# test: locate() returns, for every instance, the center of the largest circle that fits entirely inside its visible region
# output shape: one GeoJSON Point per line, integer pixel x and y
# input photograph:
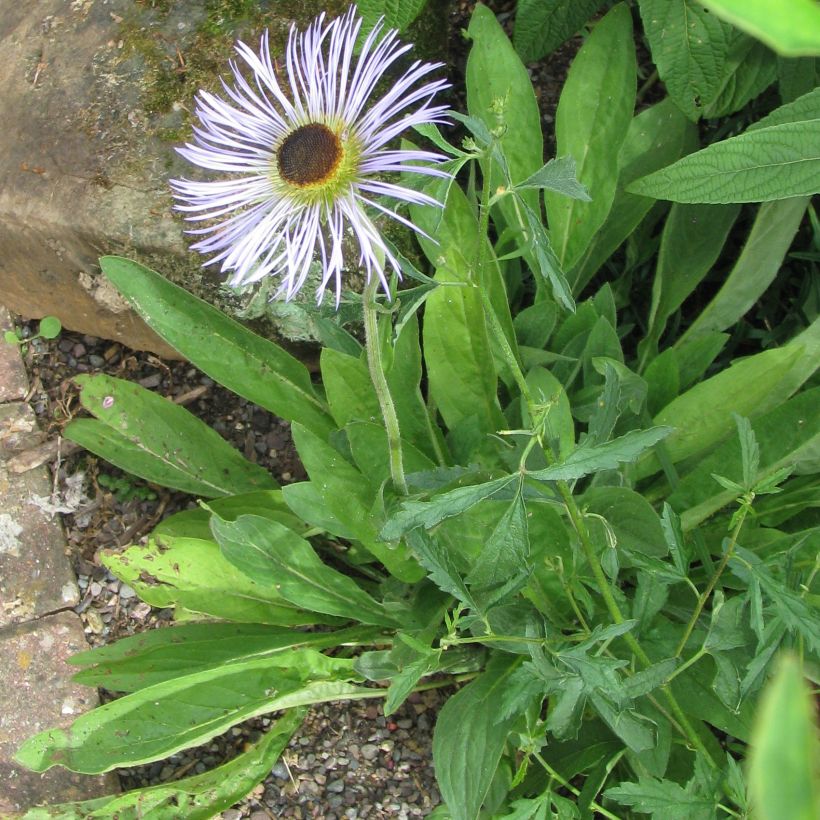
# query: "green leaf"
{"type": "Point", "coordinates": [692, 239]}
{"type": "Point", "coordinates": [631, 518]}
{"type": "Point", "coordinates": [549, 395]}
{"type": "Point", "coordinates": [193, 574]}
{"type": "Point", "coordinates": [785, 753]}
{"type": "Point", "coordinates": [690, 47]}
{"type": "Point", "coordinates": [163, 719]}
{"type": "Point", "coordinates": [502, 565]}
{"type": "Point", "coordinates": [158, 655]}
{"type": "Point", "coordinates": [703, 415]}
{"type": "Point", "coordinates": [787, 435]}
{"type": "Point", "coordinates": [792, 34]}
{"type": "Point", "coordinates": [541, 27]}
{"type": "Point", "coordinates": [663, 799]}
{"type": "Point", "coordinates": [591, 123]}
{"type": "Point", "coordinates": [469, 737]}
{"type": "Point", "coordinates": [150, 436]}
{"type": "Point", "coordinates": [655, 138]}
{"type": "Point", "coordinates": [397, 14]}
{"type": "Point", "coordinates": [750, 69]}
{"type": "Point", "coordinates": [760, 260]}
{"type": "Point", "coordinates": [499, 91]}
{"type": "Point", "coordinates": [273, 555]}
{"type": "Point", "coordinates": [307, 503]}
{"type": "Point", "coordinates": [777, 162]}
{"type": "Point", "coordinates": [427, 514]}
{"type": "Point", "coordinates": [350, 392]}
{"type": "Point", "coordinates": [557, 175]}
{"type": "Point", "coordinates": [251, 366]}
{"type": "Point", "coordinates": [585, 460]}
{"type": "Point", "coordinates": [196, 798]}
{"type": "Point", "coordinates": [349, 497]}
{"type": "Point", "coordinates": [49, 327]}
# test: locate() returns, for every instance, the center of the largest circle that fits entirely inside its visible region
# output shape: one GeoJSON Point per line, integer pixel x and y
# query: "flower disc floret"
{"type": "Point", "coordinates": [303, 150]}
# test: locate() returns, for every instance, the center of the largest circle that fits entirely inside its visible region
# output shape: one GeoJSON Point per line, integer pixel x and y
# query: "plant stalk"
{"type": "Point", "coordinates": [377, 376]}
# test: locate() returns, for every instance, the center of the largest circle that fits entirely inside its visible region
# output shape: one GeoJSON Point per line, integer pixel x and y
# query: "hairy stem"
{"type": "Point", "coordinates": [376, 367]}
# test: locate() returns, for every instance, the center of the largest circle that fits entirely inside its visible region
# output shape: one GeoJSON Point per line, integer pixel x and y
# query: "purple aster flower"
{"type": "Point", "coordinates": [304, 146]}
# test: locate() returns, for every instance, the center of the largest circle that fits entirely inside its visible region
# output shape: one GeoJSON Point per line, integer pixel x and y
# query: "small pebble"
{"type": "Point", "coordinates": [335, 786]}
{"type": "Point", "coordinates": [369, 751]}
{"type": "Point", "coordinates": [128, 592]}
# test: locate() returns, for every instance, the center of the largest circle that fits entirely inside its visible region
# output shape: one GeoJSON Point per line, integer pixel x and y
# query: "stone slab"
{"type": "Point", "coordinates": [36, 693]}
{"type": "Point", "coordinates": [36, 577]}
{"type": "Point", "coordinates": [13, 378]}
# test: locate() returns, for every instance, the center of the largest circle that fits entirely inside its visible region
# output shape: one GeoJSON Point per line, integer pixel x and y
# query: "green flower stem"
{"type": "Point", "coordinates": [712, 582]}
{"type": "Point", "coordinates": [583, 535]}
{"type": "Point", "coordinates": [376, 367]}
{"type": "Point", "coordinates": [567, 785]}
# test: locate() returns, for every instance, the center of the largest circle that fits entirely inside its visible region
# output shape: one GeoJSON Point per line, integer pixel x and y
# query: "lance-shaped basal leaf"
{"type": "Point", "coordinates": [427, 514]}
{"type": "Point", "coordinates": [161, 654]}
{"type": "Point", "coordinates": [192, 574]}
{"type": "Point", "coordinates": [593, 459]}
{"type": "Point", "coordinates": [275, 556]}
{"type": "Point", "coordinates": [161, 720]}
{"type": "Point", "coordinates": [195, 798]}
{"type": "Point", "coordinates": [251, 366]}
{"type": "Point", "coordinates": [469, 737]}
{"type": "Point", "coordinates": [777, 162]}
{"type": "Point", "coordinates": [147, 435]}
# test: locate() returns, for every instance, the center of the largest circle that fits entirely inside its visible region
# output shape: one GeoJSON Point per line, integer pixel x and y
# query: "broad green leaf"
{"type": "Point", "coordinates": [158, 655]}
{"type": "Point", "coordinates": [785, 752]}
{"type": "Point", "coordinates": [760, 260]}
{"type": "Point", "coordinates": [196, 798]}
{"type": "Point", "coordinates": [631, 518]}
{"type": "Point", "coordinates": [591, 123]}
{"type": "Point", "coordinates": [777, 162]}
{"type": "Point", "coordinates": [499, 91]}
{"type": "Point", "coordinates": [195, 523]}
{"type": "Point", "coordinates": [396, 13]}
{"type": "Point", "coordinates": [427, 514]}
{"type": "Point", "coordinates": [690, 47]}
{"type": "Point", "coordinates": [469, 738]}
{"type": "Point", "coordinates": [193, 574]}
{"type": "Point", "coordinates": [251, 366]}
{"type": "Point", "coordinates": [349, 497]}
{"type": "Point", "coordinates": [691, 242]}
{"type": "Point", "coordinates": [182, 712]}
{"type": "Point", "coordinates": [656, 137]}
{"type": "Point", "coordinates": [796, 76]}
{"type": "Point", "coordinates": [586, 460]}
{"type": "Point", "coordinates": [549, 396]}
{"type": "Point", "coordinates": [349, 390]}
{"type": "Point", "coordinates": [275, 556]}
{"type": "Point", "coordinates": [792, 34]}
{"type": "Point", "coordinates": [147, 435]}
{"type": "Point", "coordinates": [702, 416]}
{"type": "Point", "coordinates": [750, 69]}
{"type": "Point", "coordinates": [805, 107]}
{"type": "Point", "coordinates": [541, 27]}
{"type": "Point", "coordinates": [307, 503]}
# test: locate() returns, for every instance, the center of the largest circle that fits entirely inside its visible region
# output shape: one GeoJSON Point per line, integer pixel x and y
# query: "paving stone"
{"type": "Point", "coordinates": [13, 379]}
{"type": "Point", "coordinates": [36, 693]}
{"type": "Point", "coordinates": [36, 577]}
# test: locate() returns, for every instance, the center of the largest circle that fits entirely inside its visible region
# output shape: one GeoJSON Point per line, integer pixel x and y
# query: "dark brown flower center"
{"type": "Point", "coordinates": [309, 155]}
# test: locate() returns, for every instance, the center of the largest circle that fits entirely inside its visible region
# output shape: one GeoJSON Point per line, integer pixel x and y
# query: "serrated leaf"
{"type": "Point", "coordinates": [663, 799]}
{"type": "Point", "coordinates": [541, 27]}
{"type": "Point", "coordinates": [397, 14]}
{"type": "Point", "coordinates": [557, 175]}
{"type": "Point", "coordinates": [690, 47]}
{"type": "Point", "coordinates": [436, 559]}
{"type": "Point", "coordinates": [772, 163]}
{"type": "Point", "coordinates": [586, 460]}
